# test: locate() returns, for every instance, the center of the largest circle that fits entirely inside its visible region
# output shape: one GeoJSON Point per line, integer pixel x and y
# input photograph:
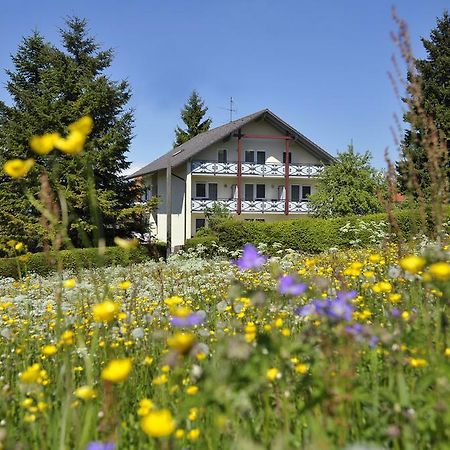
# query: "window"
{"type": "Point", "coordinates": [261, 157]}
{"type": "Point", "coordinates": [295, 193]}
{"type": "Point", "coordinates": [306, 192]}
{"type": "Point", "coordinates": [222, 155]}
{"type": "Point", "coordinates": [281, 192]}
{"type": "Point", "coordinates": [200, 190]}
{"type": "Point", "coordinates": [284, 157]}
{"type": "Point", "coordinates": [212, 191]}
{"type": "Point", "coordinates": [248, 194]}
{"type": "Point", "coordinates": [260, 191]}
{"type": "Point", "coordinates": [234, 194]}
{"type": "Point", "coordinates": [199, 223]}
{"type": "Point", "coordinates": [250, 156]}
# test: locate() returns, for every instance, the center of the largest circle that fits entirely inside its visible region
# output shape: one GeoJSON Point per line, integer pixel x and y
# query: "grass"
{"type": "Point", "coordinates": [255, 374]}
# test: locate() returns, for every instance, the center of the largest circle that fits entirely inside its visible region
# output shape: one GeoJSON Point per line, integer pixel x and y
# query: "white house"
{"type": "Point", "coordinates": [242, 165]}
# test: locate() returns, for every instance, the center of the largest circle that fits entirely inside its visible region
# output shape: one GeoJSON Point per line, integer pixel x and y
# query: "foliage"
{"type": "Point", "coordinates": [433, 76]}
{"type": "Point", "coordinates": [348, 186]}
{"type": "Point", "coordinates": [313, 235]}
{"type": "Point", "coordinates": [192, 115]}
{"type": "Point", "coordinates": [75, 259]}
{"type": "Point", "coordinates": [50, 88]}
{"type": "Point", "coordinates": [216, 213]}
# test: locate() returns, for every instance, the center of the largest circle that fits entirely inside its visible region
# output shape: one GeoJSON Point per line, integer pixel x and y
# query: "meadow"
{"type": "Point", "coordinates": [339, 350]}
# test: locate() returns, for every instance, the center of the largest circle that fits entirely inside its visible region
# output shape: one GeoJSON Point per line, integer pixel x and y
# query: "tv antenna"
{"type": "Point", "coordinates": [230, 109]}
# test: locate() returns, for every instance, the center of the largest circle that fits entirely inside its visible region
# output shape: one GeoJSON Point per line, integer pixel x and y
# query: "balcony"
{"type": "Point", "coordinates": [254, 169]}
{"type": "Point", "coordinates": [253, 206]}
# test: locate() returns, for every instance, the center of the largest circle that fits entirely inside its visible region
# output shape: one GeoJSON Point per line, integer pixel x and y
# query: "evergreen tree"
{"type": "Point", "coordinates": [51, 88]}
{"type": "Point", "coordinates": [192, 114]}
{"type": "Point", "coordinates": [348, 186]}
{"type": "Point", "coordinates": [434, 77]}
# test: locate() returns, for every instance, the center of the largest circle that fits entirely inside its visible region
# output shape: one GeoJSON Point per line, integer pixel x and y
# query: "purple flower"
{"type": "Point", "coordinates": [355, 329]}
{"type": "Point", "coordinates": [195, 318]}
{"type": "Point", "coordinates": [250, 259]}
{"type": "Point", "coordinates": [395, 312]}
{"type": "Point", "coordinates": [288, 286]}
{"type": "Point", "coordinates": [335, 309]}
{"type": "Point", "coordinates": [97, 445]}
{"type": "Point", "coordinates": [339, 309]}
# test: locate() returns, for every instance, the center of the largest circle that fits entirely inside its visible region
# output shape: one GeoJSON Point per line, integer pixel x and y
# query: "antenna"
{"type": "Point", "coordinates": [231, 110]}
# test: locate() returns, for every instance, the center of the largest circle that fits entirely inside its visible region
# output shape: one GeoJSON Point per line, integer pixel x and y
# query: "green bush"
{"type": "Point", "coordinates": [309, 234]}
{"type": "Point", "coordinates": [79, 258]}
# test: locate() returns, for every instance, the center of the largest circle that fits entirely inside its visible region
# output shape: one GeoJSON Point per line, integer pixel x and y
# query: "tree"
{"type": "Point", "coordinates": [349, 185]}
{"type": "Point", "coordinates": [51, 88]}
{"type": "Point", "coordinates": [433, 74]}
{"type": "Point", "coordinates": [192, 114]}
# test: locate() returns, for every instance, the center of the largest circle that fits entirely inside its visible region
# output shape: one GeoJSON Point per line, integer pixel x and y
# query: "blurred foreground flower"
{"type": "Point", "coordinates": [334, 309]}
{"type": "Point", "coordinates": [288, 286]}
{"type": "Point", "coordinates": [85, 393]}
{"type": "Point", "coordinates": [412, 263]}
{"type": "Point", "coordinates": [117, 370]}
{"type": "Point", "coordinates": [97, 445]}
{"type": "Point", "coordinates": [126, 243]}
{"type": "Point", "coordinates": [44, 144]}
{"type": "Point", "coordinates": [250, 259]}
{"type": "Point", "coordinates": [105, 311]}
{"type": "Point", "coordinates": [158, 423]}
{"type": "Point", "coordinates": [18, 168]}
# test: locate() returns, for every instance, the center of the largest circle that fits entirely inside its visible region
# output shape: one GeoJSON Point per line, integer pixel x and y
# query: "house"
{"type": "Point", "coordinates": [258, 166]}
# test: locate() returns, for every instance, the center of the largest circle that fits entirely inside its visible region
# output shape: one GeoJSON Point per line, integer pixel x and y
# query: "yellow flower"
{"type": "Point", "coordinates": [125, 285]}
{"type": "Point", "coordinates": [148, 360]}
{"type": "Point", "coordinates": [162, 379]}
{"type": "Point", "coordinates": [447, 352]}
{"type": "Point", "coordinates": [158, 423]}
{"type": "Point", "coordinates": [193, 434]}
{"type": "Point", "coordinates": [192, 390]}
{"type": "Point", "coordinates": [179, 434]}
{"type": "Point", "coordinates": [440, 271]}
{"type": "Point", "coordinates": [173, 301]}
{"type": "Point", "coordinates": [105, 311]}
{"type": "Point", "coordinates": [18, 246]}
{"type": "Point", "coordinates": [31, 375]}
{"type": "Point", "coordinates": [44, 144]}
{"type": "Point", "coordinates": [145, 406]}
{"type": "Point", "coordinates": [70, 283]}
{"type": "Point", "coordinates": [117, 370]}
{"type": "Point", "coordinates": [29, 418]}
{"type": "Point", "coordinates": [67, 337]}
{"type": "Point", "coordinates": [418, 362]}
{"type": "Point", "coordinates": [193, 414]}
{"type": "Point", "coordinates": [49, 350]}
{"type": "Point", "coordinates": [83, 125]}
{"type": "Point", "coordinates": [72, 144]}
{"type": "Point", "coordinates": [181, 342]}
{"type": "Point", "coordinates": [18, 168]}
{"type": "Point", "coordinates": [412, 263]}
{"type": "Point", "coordinates": [301, 368]}
{"type": "Point", "coordinates": [382, 286]}
{"type": "Point", "coordinates": [85, 393]}
{"type": "Point", "coordinates": [395, 298]}
{"type": "Point", "coordinates": [272, 374]}
{"type": "Point", "coordinates": [126, 243]}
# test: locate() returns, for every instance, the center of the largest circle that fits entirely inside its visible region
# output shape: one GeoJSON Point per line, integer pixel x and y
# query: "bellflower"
{"type": "Point", "coordinates": [334, 309]}
{"type": "Point", "coordinates": [190, 320]}
{"type": "Point", "coordinates": [250, 259]}
{"type": "Point", "coordinates": [97, 445]}
{"type": "Point", "coordinates": [288, 286]}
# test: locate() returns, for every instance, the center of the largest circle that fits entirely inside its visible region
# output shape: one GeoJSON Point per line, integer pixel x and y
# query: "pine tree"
{"type": "Point", "coordinates": [434, 77]}
{"type": "Point", "coordinates": [192, 115]}
{"type": "Point", "coordinates": [51, 88]}
{"type": "Point", "coordinates": [350, 185]}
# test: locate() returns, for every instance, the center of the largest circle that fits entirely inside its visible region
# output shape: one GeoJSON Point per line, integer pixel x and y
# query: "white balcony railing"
{"type": "Point", "coordinates": [257, 206]}
{"type": "Point", "coordinates": [260, 170]}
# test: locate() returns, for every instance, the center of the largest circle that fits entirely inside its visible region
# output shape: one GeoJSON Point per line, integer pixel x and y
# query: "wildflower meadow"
{"type": "Point", "coordinates": [242, 352]}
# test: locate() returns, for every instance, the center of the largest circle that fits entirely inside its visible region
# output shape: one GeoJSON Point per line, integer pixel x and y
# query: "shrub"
{"type": "Point", "coordinates": [79, 258]}
{"type": "Point", "coordinates": [312, 235]}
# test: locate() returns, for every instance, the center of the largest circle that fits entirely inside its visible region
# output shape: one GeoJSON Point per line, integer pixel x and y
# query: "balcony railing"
{"type": "Point", "coordinates": [260, 170]}
{"type": "Point", "coordinates": [256, 206]}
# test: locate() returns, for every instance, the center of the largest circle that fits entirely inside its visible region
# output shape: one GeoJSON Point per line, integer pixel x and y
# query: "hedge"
{"type": "Point", "coordinates": [308, 234]}
{"type": "Point", "coordinates": [79, 258]}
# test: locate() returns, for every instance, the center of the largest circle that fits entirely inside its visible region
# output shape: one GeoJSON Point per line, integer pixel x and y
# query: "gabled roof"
{"type": "Point", "coordinates": [182, 153]}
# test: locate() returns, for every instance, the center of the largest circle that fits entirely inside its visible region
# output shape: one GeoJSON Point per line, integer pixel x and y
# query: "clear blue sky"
{"type": "Point", "coordinates": [320, 65]}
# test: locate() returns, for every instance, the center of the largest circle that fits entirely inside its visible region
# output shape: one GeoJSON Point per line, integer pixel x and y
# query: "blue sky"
{"type": "Point", "coordinates": [320, 65]}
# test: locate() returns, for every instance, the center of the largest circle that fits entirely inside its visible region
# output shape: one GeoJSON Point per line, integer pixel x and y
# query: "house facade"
{"type": "Point", "coordinates": [258, 167]}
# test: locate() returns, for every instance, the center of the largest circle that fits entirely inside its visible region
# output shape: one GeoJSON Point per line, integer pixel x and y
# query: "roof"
{"type": "Point", "coordinates": [182, 153]}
